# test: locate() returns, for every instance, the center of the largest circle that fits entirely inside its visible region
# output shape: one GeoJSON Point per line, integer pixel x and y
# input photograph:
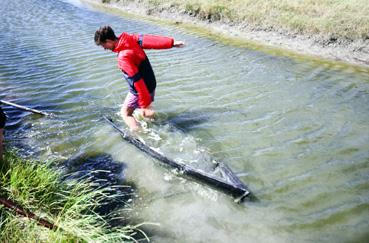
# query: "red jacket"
{"type": "Point", "coordinates": [135, 65]}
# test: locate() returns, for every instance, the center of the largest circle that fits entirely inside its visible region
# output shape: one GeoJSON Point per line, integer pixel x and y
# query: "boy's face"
{"type": "Point", "coordinates": [108, 45]}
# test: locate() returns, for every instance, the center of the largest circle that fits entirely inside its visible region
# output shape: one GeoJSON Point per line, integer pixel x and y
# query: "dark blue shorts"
{"type": "Point", "coordinates": [2, 118]}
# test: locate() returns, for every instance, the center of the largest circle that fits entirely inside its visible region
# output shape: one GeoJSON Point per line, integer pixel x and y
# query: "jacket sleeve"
{"type": "Point", "coordinates": [135, 80]}
{"type": "Point", "coordinates": [154, 41]}
{"type": "Point", "coordinates": [144, 97]}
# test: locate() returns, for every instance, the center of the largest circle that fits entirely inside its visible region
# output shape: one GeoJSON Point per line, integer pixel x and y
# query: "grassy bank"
{"type": "Point", "coordinates": [334, 19]}
{"type": "Point", "coordinates": [69, 205]}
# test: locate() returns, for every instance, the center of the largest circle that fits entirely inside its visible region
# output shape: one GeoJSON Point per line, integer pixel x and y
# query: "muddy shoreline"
{"type": "Point", "coordinates": [317, 47]}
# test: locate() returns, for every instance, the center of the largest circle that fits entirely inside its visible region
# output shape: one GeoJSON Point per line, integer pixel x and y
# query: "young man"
{"type": "Point", "coordinates": [2, 125]}
{"type": "Point", "coordinates": [136, 68]}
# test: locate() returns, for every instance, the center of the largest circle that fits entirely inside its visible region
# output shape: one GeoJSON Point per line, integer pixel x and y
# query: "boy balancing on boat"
{"type": "Point", "coordinates": [136, 68]}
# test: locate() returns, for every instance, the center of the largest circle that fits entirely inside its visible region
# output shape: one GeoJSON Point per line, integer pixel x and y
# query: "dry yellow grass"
{"type": "Point", "coordinates": [336, 19]}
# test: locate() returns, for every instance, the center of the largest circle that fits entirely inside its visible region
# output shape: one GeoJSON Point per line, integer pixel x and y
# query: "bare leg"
{"type": "Point", "coordinates": [127, 115]}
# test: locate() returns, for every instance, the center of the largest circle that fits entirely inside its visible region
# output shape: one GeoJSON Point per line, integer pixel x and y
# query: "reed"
{"type": "Point", "coordinates": [69, 205]}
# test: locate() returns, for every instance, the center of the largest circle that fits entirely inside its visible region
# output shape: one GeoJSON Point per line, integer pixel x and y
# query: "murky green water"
{"type": "Point", "coordinates": [297, 132]}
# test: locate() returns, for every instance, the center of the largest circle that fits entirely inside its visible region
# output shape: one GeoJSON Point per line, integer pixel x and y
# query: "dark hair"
{"type": "Point", "coordinates": [103, 34]}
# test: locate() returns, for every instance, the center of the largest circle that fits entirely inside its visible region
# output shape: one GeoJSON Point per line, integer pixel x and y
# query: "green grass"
{"type": "Point", "coordinates": [69, 205]}
{"type": "Point", "coordinates": [335, 19]}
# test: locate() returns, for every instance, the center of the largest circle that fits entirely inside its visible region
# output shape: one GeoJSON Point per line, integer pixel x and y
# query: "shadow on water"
{"type": "Point", "coordinates": [103, 172]}
{"type": "Point", "coordinates": [188, 121]}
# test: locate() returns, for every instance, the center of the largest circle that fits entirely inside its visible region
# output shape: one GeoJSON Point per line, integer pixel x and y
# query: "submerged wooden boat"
{"type": "Point", "coordinates": [228, 182]}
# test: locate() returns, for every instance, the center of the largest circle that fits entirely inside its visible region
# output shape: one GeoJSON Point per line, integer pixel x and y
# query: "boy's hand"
{"type": "Point", "coordinates": [147, 112]}
{"type": "Point", "coordinates": [178, 43]}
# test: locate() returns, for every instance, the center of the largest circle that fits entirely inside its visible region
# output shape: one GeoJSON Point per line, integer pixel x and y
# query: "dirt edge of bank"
{"type": "Point", "coordinates": [350, 52]}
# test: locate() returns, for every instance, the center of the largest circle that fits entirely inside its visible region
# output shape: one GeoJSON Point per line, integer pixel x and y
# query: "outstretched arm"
{"type": "Point", "coordinates": [148, 41]}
